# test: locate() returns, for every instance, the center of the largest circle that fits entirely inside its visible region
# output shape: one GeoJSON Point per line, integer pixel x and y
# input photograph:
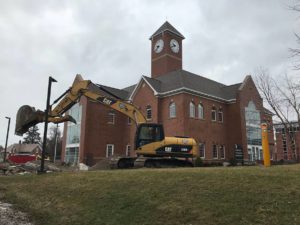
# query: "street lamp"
{"type": "Point", "coordinates": [46, 123]}
{"type": "Point", "coordinates": [4, 159]}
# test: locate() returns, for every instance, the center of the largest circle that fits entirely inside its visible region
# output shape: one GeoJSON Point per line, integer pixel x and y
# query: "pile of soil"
{"type": "Point", "coordinates": [103, 164]}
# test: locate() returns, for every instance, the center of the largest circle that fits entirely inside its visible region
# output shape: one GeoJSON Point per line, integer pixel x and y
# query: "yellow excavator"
{"type": "Point", "coordinates": [152, 148]}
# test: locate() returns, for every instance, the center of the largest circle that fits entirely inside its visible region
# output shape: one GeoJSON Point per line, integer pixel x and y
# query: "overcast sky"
{"type": "Point", "coordinates": [108, 42]}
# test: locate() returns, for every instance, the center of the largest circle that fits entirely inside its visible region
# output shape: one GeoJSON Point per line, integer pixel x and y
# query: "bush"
{"type": "Point", "coordinates": [198, 162]}
{"type": "Point", "coordinates": [233, 162]}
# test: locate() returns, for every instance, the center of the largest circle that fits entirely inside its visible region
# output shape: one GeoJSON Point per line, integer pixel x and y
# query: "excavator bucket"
{"type": "Point", "coordinates": [27, 117]}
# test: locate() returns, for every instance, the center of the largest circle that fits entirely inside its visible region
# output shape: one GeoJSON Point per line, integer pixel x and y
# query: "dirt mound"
{"type": "Point", "coordinates": [103, 164]}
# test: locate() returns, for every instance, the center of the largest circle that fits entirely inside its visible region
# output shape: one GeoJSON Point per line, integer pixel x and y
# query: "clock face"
{"type": "Point", "coordinates": [174, 45]}
{"type": "Point", "coordinates": [159, 45]}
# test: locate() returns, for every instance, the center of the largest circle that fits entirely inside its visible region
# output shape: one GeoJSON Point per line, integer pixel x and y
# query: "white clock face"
{"type": "Point", "coordinates": [174, 45]}
{"type": "Point", "coordinates": [159, 45]}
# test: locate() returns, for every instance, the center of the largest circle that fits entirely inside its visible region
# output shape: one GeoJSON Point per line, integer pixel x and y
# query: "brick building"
{"type": "Point", "coordinates": [287, 141]}
{"type": "Point", "coordinates": [224, 120]}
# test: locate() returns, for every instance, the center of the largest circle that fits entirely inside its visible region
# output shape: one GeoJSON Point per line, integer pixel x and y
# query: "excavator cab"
{"type": "Point", "coordinates": [147, 133]}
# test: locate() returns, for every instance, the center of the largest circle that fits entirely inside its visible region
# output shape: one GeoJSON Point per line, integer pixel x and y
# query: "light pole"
{"type": "Point", "coordinates": [46, 124]}
{"type": "Point", "coordinates": [4, 159]}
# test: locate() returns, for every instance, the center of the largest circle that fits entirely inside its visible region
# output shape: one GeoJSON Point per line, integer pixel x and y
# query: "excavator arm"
{"type": "Point", "coordinates": [27, 116]}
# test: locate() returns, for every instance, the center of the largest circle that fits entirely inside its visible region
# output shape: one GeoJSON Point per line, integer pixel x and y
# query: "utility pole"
{"type": "Point", "coordinates": [46, 124]}
{"type": "Point", "coordinates": [4, 157]}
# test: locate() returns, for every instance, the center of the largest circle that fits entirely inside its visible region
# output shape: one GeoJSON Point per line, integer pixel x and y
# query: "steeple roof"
{"type": "Point", "coordinates": [167, 27]}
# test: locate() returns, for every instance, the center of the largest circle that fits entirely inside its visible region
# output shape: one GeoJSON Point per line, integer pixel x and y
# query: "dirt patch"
{"type": "Point", "coordinates": [10, 216]}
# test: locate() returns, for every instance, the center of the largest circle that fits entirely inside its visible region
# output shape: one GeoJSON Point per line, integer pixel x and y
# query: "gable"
{"type": "Point", "coordinates": [141, 84]}
{"type": "Point", "coordinates": [248, 85]}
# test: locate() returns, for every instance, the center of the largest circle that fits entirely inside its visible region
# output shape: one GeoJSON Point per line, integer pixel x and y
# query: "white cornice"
{"type": "Point", "coordinates": [188, 90]}
{"type": "Point", "coordinates": [138, 85]}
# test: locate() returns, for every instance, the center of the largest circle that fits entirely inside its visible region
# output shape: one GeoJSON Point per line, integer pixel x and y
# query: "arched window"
{"type": "Point", "coordinates": [213, 114]}
{"type": "Point", "coordinates": [200, 111]}
{"type": "Point", "coordinates": [220, 115]}
{"type": "Point", "coordinates": [192, 110]}
{"type": "Point", "coordinates": [172, 110]}
{"type": "Point", "coordinates": [149, 112]}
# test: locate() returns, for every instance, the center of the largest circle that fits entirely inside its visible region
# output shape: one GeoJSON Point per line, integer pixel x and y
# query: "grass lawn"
{"type": "Point", "coordinates": [236, 195]}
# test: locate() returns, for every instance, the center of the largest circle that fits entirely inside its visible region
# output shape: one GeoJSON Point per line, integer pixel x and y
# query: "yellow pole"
{"type": "Point", "coordinates": [265, 144]}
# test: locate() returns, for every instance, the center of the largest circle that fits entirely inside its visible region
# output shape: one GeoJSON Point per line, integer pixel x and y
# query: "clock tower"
{"type": "Point", "coordinates": [166, 50]}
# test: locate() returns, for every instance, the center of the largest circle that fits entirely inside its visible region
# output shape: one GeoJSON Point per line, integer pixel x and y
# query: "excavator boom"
{"type": "Point", "coordinates": [28, 116]}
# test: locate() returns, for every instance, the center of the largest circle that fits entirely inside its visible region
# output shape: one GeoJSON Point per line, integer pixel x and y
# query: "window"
{"type": "Point", "coordinates": [128, 150]}
{"type": "Point", "coordinates": [73, 130]}
{"type": "Point", "coordinates": [172, 110]}
{"type": "Point", "coordinates": [215, 151]}
{"type": "Point", "coordinates": [222, 151]}
{"type": "Point", "coordinates": [213, 114]}
{"type": "Point", "coordinates": [192, 110]}
{"type": "Point", "coordinates": [285, 151]}
{"type": "Point", "coordinates": [109, 150]}
{"type": "Point", "coordinates": [72, 155]}
{"type": "Point", "coordinates": [111, 117]}
{"type": "Point", "coordinates": [200, 111]}
{"type": "Point", "coordinates": [220, 115]}
{"type": "Point", "coordinates": [148, 133]}
{"type": "Point", "coordinates": [202, 150]}
{"type": "Point", "coordinates": [129, 121]}
{"type": "Point", "coordinates": [148, 112]}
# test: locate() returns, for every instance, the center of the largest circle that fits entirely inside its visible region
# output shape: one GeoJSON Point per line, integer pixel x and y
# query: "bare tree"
{"type": "Point", "coordinates": [283, 97]}
{"type": "Point", "coordinates": [54, 141]}
{"type": "Point", "coordinates": [295, 52]}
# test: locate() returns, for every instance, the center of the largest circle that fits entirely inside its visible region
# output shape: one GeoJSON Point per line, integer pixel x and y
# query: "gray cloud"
{"type": "Point", "coordinates": [107, 42]}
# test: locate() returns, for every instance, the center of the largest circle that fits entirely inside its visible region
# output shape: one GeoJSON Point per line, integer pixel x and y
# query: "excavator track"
{"type": "Point", "coordinates": [148, 162]}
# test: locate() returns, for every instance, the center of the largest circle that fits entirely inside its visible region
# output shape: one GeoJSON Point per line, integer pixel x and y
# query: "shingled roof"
{"type": "Point", "coordinates": [167, 27]}
{"type": "Point", "coordinates": [181, 80]}
{"type": "Point", "coordinates": [178, 81]}
{"type": "Point", "coordinates": [115, 92]}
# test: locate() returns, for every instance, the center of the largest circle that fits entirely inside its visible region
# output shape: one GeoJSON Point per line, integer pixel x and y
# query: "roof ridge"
{"type": "Point", "coordinates": [164, 27]}
{"type": "Point", "coordinates": [227, 86]}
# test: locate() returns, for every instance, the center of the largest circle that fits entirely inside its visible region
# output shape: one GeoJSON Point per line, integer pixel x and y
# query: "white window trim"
{"type": "Point", "coordinates": [200, 106]}
{"type": "Point", "coordinates": [214, 119]}
{"type": "Point", "coordinates": [148, 108]}
{"type": "Point", "coordinates": [173, 106]}
{"type": "Point", "coordinates": [202, 157]}
{"type": "Point", "coordinates": [223, 150]}
{"type": "Point", "coordinates": [113, 149]}
{"type": "Point", "coordinates": [220, 112]}
{"type": "Point", "coordinates": [217, 152]}
{"type": "Point", "coordinates": [192, 110]}
{"type": "Point", "coordinates": [114, 117]}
